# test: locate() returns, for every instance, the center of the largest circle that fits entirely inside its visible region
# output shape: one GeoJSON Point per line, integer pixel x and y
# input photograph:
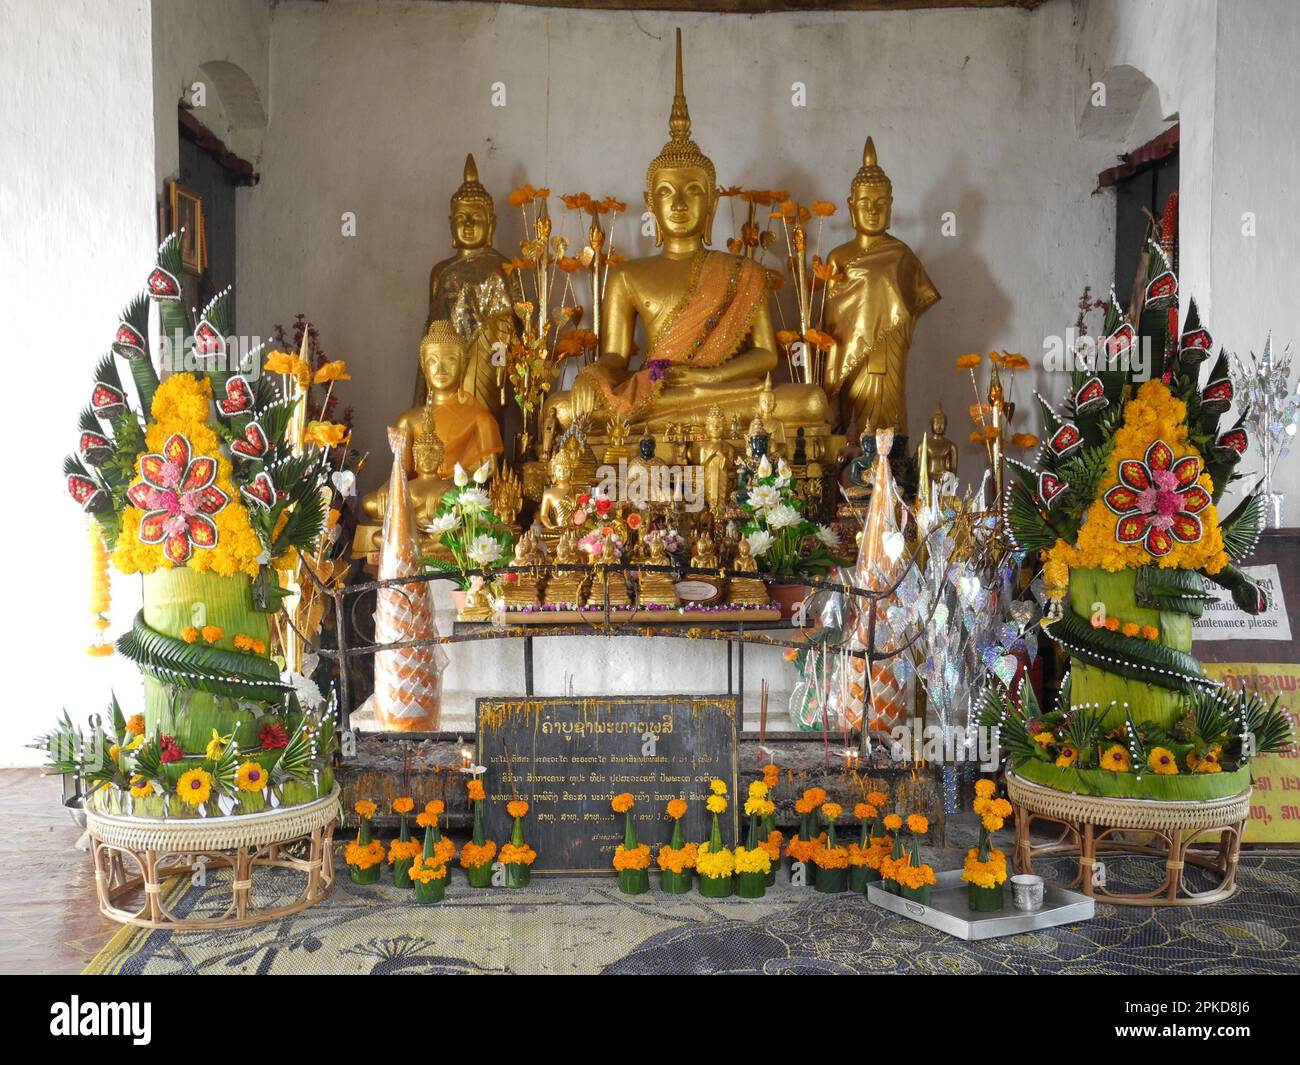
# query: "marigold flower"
{"type": "Point", "coordinates": [985, 788]}
{"type": "Point", "coordinates": [365, 808]}
{"type": "Point", "coordinates": [435, 807]}
{"type": "Point", "coordinates": [893, 822]}
{"type": "Point", "coordinates": [189, 634]}
{"type": "Point", "coordinates": [1150, 632]}
{"type": "Point", "coordinates": [472, 855]}
{"type": "Point", "coordinates": [403, 804]}
{"type": "Point", "coordinates": [211, 633]}
{"type": "Point", "coordinates": [771, 775]}
{"type": "Point", "coordinates": [1162, 761]}
{"type": "Point", "coordinates": [251, 777]}
{"type": "Point", "coordinates": [517, 808]}
{"type": "Point", "coordinates": [969, 362]}
{"type": "Point", "coordinates": [141, 788]}
{"type": "Point", "coordinates": [877, 798]}
{"type": "Point", "coordinates": [1116, 759]}
{"type": "Point", "coordinates": [992, 822]}
{"type": "Point", "coordinates": [677, 809]}
{"type": "Point", "coordinates": [1131, 628]}
{"type": "Point", "coordinates": [832, 810]}
{"type": "Point", "coordinates": [716, 804]}
{"type": "Point", "coordinates": [622, 803]}
{"type": "Point", "coordinates": [918, 824]}
{"type": "Point", "coordinates": [864, 811]}
{"type": "Point", "coordinates": [474, 789]}
{"type": "Point", "coordinates": [1067, 757]}
{"type": "Point", "coordinates": [1112, 623]}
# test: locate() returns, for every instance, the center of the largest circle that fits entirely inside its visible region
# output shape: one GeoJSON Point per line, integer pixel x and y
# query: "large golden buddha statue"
{"type": "Point", "coordinates": [472, 290]}
{"type": "Point", "coordinates": [468, 433]}
{"type": "Point", "coordinates": [873, 310]}
{"type": "Point", "coordinates": [705, 314]}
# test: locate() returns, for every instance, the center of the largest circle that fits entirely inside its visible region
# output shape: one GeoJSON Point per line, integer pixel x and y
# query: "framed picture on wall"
{"type": "Point", "coordinates": [187, 216]}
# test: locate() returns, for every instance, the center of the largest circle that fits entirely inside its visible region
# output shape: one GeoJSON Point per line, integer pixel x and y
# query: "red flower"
{"type": "Point", "coordinates": [177, 493]}
{"type": "Point", "coordinates": [169, 750]}
{"type": "Point", "coordinates": [602, 506]}
{"type": "Point", "coordinates": [1157, 500]}
{"type": "Point", "coordinates": [273, 736]}
{"type": "Point", "coordinates": [584, 499]}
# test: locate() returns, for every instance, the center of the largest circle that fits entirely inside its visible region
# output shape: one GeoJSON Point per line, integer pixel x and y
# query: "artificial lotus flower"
{"type": "Point", "coordinates": [473, 499]}
{"type": "Point", "coordinates": [484, 550]}
{"type": "Point", "coordinates": [762, 496]}
{"type": "Point", "coordinates": [759, 542]}
{"type": "Point", "coordinates": [483, 473]}
{"type": "Point", "coordinates": [460, 476]}
{"type": "Point", "coordinates": [764, 467]}
{"type": "Point", "coordinates": [783, 515]}
{"type": "Point", "coordinates": [828, 536]}
{"type": "Point", "coordinates": [442, 523]}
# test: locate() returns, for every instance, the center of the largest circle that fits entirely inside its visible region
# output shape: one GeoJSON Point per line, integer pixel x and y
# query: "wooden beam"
{"type": "Point", "coordinates": [240, 170]}
{"type": "Point", "coordinates": [1140, 158]}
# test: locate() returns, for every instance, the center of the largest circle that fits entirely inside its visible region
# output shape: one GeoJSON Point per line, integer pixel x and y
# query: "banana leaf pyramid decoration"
{"type": "Point", "coordinates": [1124, 507]}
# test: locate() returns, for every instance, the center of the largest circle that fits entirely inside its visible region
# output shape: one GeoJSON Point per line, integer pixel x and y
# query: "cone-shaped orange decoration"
{"type": "Point", "coordinates": [408, 681]}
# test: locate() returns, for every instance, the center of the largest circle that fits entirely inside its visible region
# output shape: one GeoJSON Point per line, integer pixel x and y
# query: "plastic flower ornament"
{"type": "Point", "coordinates": [484, 550]}
{"type": "Point", "coordinates": [783, 515]}
{"type": "Point", "coordinates": [483, 473]}
{"type": "Point", "coordinates": [460, 476]}
{"type": "Point", "coordinates": [473, 499]}
{"type": "Point", "coordinates": [1157, 500]}
{"type": "Point", "coordinates": [178, 496]}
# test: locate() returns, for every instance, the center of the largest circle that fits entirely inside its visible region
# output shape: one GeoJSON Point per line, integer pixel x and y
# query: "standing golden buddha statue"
{"type": "Point", "coordinates": [705, 313]}
{"type": "Point", "coordinates": [472, 290]}
{"type": "Point", "coordinates": [873, 310]}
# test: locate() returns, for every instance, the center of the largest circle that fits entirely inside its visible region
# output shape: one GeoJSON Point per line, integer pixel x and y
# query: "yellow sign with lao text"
{"type": "Point", "coordinates": [1275, 806]}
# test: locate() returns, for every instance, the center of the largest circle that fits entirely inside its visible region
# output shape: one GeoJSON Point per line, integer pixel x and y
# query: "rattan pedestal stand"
{"type": "Point", "coordinates": [131, 853]}
{"type": "Point", "coordinates": [1093, 826]}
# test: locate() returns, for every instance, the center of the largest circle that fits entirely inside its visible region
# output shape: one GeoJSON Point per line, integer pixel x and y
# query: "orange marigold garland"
{"type": "Point", "coordinates": [100, 593]}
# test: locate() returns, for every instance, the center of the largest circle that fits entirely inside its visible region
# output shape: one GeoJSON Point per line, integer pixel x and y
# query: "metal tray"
{"type": "Point", "coordinates": [949, 912]}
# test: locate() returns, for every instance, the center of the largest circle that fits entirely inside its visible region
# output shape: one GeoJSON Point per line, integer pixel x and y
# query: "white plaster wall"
{"type": "Point", "coordinates": [76, 240]}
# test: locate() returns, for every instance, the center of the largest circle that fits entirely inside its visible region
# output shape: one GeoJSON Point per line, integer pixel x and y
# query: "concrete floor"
{"type": "Point", "coordinates": [49, 922]}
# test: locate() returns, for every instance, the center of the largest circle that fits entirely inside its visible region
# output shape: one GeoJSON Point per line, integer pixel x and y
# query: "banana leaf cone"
{"type": "Point", "coordinates": [632, 881]}
{"type": "Point", "coordinates": [715, 887]}
{"type": "Point", "coordinates": [982, 899]}
{"type": "Point", "coordinates": [751, 885]}
{"type": "Point", "coordinates": [432, 892]}
{"type": "Point", "coordinates": [893, 886]}
{"type": "Point", "coordinates": [769, 826]}
{"type": "Point", "coordinates": [364, 839]}
{"type": "Point", "coordinates": [676, 883]}
{"type": "Point", "coordinates": [480, 876]}
{"type": "Point", "coordinates": [402, 867]}
{"type": "Point", "coordinates": [806, 834]}
{"type": "Point", "coordinates": [831, 881]}
{"type": "Point", "coordinates": [517, 873]}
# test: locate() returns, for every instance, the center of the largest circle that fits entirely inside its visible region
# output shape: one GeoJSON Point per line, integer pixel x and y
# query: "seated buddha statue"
{"type": "Point", "coordinates": [559, 501]}
{"type": "Point", "coordinates": [747, 591]}
{"type": "Point", "coordinates": [566, 587]}
{"type": "Point", "coordinates": [524, 589]}
{"type": "Point", "coordinates": [472, 290]}
{"type": "Point", "coordinates": [655, 588]}
{"type": "Point", "coordinates": [607, 574]}
{"type": "Point", "coordinates": [872, 308]}
{"type": "Point", "coordinates": [704, 554]}
{"type": "Point", "coordinates": [469, 434]}
{"type": "Point", "coordinates": [704, 313]}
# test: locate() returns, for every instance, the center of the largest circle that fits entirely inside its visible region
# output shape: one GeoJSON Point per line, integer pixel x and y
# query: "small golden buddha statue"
{"type": "Point", "coordinates": [507, 496]}
{"type": "Point", "coordinates": [704, 553]}
{"type": "Point", "coordinates": [648, 475]}
{"type": "Point", "coordinates": [566, 587]}
{"type": "Point", "coordinates": [472, 290]}
{"type": "Point", "coordinates": [714, 457]}
{"type": "Point", "coordinates": [936, 455]}
{"type": "Point", "coordinates": [559, 501]}
{"type": "Point", "coordinates": [524, 589]}
{"type": "Point", "coordinates": [653, 588]}
{"type": "Point", "coordinates": [873, 310]}
{"type": "Point", "coordinates": [619, 430]}
{"type": "Point", "coordinates": [747, 591]}
{"type": "Point", "coordinates": [705, 313]}
{"type": "Point", "coordinates": [469, 434]}
{"type": "Point", "coordinates": [608, 575]}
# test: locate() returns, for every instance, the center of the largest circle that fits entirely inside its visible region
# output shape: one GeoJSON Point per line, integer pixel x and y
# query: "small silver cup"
{"type": "Point", "coordinates": [1027, 892]}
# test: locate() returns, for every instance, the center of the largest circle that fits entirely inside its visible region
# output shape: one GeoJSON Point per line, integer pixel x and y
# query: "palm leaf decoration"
{"type": "Point", "coordinates": [147, 764]}
{"type": "Point", "coordinates": [224, 769]}
{"type": "Point", "coordinates": [295, 762]}
{"type": "Point", "coordinates": [204, 668]}
{"type": "Point", "coordinates": [1269, 724]}
{"type": "Point", "coordinates": [1084, 730]}
{"type": "Point", "coordinates": [1242, 527]}
{"type": "Point", "coordinates": [1214, 716]}
{"type": "Point", "coordinates": [63, 745]}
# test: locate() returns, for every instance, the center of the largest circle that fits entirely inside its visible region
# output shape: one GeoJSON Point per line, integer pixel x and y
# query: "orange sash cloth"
{"type": "Point", "coordinates": [705, 329]}
{"type": "Point", "coordinates": [468, 433]}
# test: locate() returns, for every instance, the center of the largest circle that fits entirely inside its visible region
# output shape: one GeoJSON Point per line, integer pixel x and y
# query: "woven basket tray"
{"type": "Point", "coordinates": [1153, 814]}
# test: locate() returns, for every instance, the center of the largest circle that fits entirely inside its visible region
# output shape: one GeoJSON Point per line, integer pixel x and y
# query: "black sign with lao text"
{"type": "Point", "coordinates": [570, 755]}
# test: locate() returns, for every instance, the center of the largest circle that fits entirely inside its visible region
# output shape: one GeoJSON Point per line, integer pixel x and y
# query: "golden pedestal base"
{"type": "Point", "coordinates": [138, 854]}
{"type": "Point", "coordinates": [1095, 826]}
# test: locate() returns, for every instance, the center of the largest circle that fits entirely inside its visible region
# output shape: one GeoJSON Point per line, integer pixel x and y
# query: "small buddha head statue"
{"type": "Point", "coordinates": [562, 467]}
{"type": "Point", "coordinates": [871, 196]}
{"type": "Point", "coordinates": [646, 447]}
{"type": "Point", "coordinates": [428, 449]}
{"type": "Point", "coordinates": [938, 422]}
{"type": "Point", "coordinates": [681, 184]}
{"type": "Point", "coordinates": [758, 438]}
{"type": "Point", "coordinates": [473, 217]}
{"type": "Point", "coordinates": [442, 358]}
{"type": "Point", "coordinates": [715, 423]}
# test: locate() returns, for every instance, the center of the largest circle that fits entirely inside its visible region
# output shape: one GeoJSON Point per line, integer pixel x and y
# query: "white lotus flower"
{"type": "Point", "coordinates": [759, 542]}
{"type": "Point", "coordinates": [828, 536]}
{"type": "Point", "coordinates": [473, 499]}
{"type": "Point", "coordinates": [484, 550]}
{"type": "Point", "coordinates": [764, 467]}
{"type": "Point", "coordinates": [763, 496]}
{"type": "Point", "coordinates": [460, 476]}
{"type": "Point", "coordinates": [483, 473]}
{"type": "Point", "coordinates": [443, 523]}
{"type": "Point", "coordinates": [783, 515]}
{"type": "Point", "coordinates": [783, 473]}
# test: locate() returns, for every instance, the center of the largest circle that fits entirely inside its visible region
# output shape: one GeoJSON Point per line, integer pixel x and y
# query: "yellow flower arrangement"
{"type": "Point", "coordinates": [832, 810]}
{"type": "Point", "coordinates": [756, 860]}
{"type": "Point", "coordinates": [521, 855]}
{"type": "Point", "coordinates": [1153, 414]}
{"type": "Point", "coordinates": [364, 857]}
{"type": "Point", "coordinates": [677, 809]}
{"type": "Point", "coordinates": [1116, 759]}
{"type": "Point", "coordinates": [517, 808]}
{"type": "Point", "coordinates": [987, 874]}
{"type": "Point", "coordinates": [473, 855]}
{"type": "Point", "coordinates": [403, 850]}
{"type": "Point", "coordinates": [474, 790]}
{"type": "Point", "coordinates": [622, 803]}
{"type": "Point", "coordinates": [424, 872]}
{"type": "Point", "coordinates": [364, 808]}
{"type": "Point", "coordinates": [718, 787]}
{"type": "Point", "coordinates": [676, 861]}
{"type": "Point", "coordinates": [636, 858]}
{"type": "Point", "coordinates": [181, 405]}
{"type": "Point", "coordinates": [194, 787]}
{"type": "Point", "coordinates": [714, 864]}
{"type": "Point", "coordinates": [918, 824]}
{"type": "Point", "coordinates": [827, 857]}
{"type": "Point", "coordinates": [893, 822]}
{"type": "Point", "coordinates": [1162, 761]}
{"type": "Point", "coordinates": [250, 777]}
{"type": "Point", "coordinates": [716, 804]}
{"type": "Point", "coordinates": [141, 788]}
{"type": "Point", "coordinates": [435, 807]}
{"type": "Point", "coordinates": [403, 804]}
{"type": "Point", "coordinates": [802, 850]}
{"type": "Point", "coordinates": [985, 788]}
